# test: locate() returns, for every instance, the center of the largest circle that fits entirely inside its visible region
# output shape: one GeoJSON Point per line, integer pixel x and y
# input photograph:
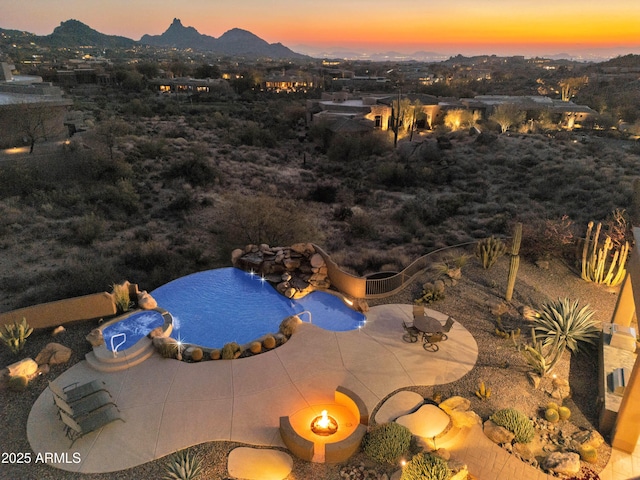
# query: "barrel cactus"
{"type": "Point", "coordinates": [551, 415]}
{"type": "Point", "coordinates": [564, 413]}
{"type": "Point", "coordinates": [588, 453]}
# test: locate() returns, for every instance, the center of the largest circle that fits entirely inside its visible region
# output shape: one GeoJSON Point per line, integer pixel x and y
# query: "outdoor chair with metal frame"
{"type": "Point", "coordinates": [411, 333]}
{"type": "Point", "coordinates": [75, 391]}
{"type": "Point", "coordinates": [85, 405]}
{"type": "Point", "coordinates": [76, 428]}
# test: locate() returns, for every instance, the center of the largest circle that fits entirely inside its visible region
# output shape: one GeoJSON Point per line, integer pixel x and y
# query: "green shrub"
{"type": "Point", "coordinates": [425, 466]}
{"type": "Point", "coordinates": [564, 321]}
{"type": "Point", "coordinates": [168, 349]}
{"type": "Point", "coordinates": [230, 351]}
{"type": "Point", "coordinates": [88, 229]}
{"type": "Point", "coordinates": [15, 335]}
{"type": "Point", "coordinates": [18, 383]}
{"type": "Point", "coordinates": [387, 442]}
{"type": "Point", "coordinates": [269, 342]}
{"type": "Point", "coordinates": [183, 465]}
{"type": "Point", "coordinates": [516, 422]}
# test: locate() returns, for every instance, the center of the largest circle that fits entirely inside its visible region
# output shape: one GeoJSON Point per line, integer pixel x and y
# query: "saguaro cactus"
{"type": "Point", "coordinates": [515, 261]}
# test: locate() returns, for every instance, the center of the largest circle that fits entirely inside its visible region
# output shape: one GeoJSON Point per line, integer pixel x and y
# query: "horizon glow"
{"type": "Point", "coordinates": [465, 26]}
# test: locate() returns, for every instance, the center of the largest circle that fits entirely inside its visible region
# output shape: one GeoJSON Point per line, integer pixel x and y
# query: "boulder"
{"type": "Point", "coordinates": [560, 389]}
{"type": "Point", "coordinates": [524, 452]}
{"type": "Point", "coordinates": [564, 463]}
{"type": "Point", "coordinates": [236, 255]}
{"type": "Point", "coordinates": [427, 422]}
{"type": "Point", "coordinates": [300, 248]}
{"type": "Point", "coordinates": [95, 337]}
{"type": "Point", "coordinates": [146, 301]}
{"type": "Point", "coordinates": [590, 438]}
{"type": "Point", "coordinates": [398, 404]}
{"type": "Point", "coordinates": [316, 260]}
{"type": "Point", "coordinates": [53, 354]}
{"type": "Point", "coordinates": [496, 433]}
{"type": "Point", "coordinates": [455, 404]}
{"type": "Point", "coordinates": [157, 332]}
{"type": "Point", "coordinates": [26, 367]}
{"type": "Point", "coordinates": [465, 419]}
{"type": "Point", "coordinates": [291, 263]}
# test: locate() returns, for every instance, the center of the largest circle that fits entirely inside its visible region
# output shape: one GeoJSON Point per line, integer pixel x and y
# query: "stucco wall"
{"type": "Point", "coordinates": [47, 315]}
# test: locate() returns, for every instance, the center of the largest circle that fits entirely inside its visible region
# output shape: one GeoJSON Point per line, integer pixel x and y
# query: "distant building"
{"type": "Point", "coordinates": [29, 108]}
{"type": "Point", "coordinates": [189, 86]}
{"type": "Point", "coordinates": [342, 105]}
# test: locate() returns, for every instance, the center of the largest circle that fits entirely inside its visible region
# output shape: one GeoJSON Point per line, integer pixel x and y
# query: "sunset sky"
{"type": "Point", "coordinates": [446, 26]}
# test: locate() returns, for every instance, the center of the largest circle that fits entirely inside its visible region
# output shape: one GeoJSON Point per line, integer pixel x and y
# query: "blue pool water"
{"type": "Point", "coordinates": [215, 307]}
{"type": "Point", "coordinates": [135, 326]}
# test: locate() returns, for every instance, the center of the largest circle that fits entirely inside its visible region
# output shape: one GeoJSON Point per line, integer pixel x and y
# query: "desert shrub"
{"type": "Point", "coordinates": [230, 351]}
{"type": "Point", "coordinates": [362, 226]}
{"type": "Point", "coordinates": [516, 422]}
{"type": "Point", "coordinates": [563, 321]}
{"type": "Point", "coordinates": [255, 347]}
{"type": "Point", "coordinates": [120, 294]}
{"type": "Point", "coordinates": [430, 294]}
{"type": "Point", "coordinates": [18, 383]}
{"type": "Point", "coordinates": [196, 354]}
{"type": "Point", "coordinates": [196, 171]}
{"type": "Point", "coordinates": [269, 342]}
{"type": "Point", "coordinates": [425, 466]}
{"type": "Point", "coordinates": [342, 213]}
{"type": "Point", "coordinates": [387, 442]}
{"type": "Point", "coordinates": [183, 465]}
{"type": "Point", "coordinates": [289, 325]}
{"type": "Point", "coordinates": [14, 335]}
{"type": "Point", "coordinates": [167, 349]}
{"type": "Point", "coordinates": [548, 238]}
{"type": "Point", "coordinates": [324, 194]}
{"type": "Point", "coordinates": [88, 229]}
{"type": "Point", "coordinates": [488, 250]}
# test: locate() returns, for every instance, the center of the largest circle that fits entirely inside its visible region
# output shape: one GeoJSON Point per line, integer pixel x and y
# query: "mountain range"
{"type": "Point", "coordinates": [235, 42]}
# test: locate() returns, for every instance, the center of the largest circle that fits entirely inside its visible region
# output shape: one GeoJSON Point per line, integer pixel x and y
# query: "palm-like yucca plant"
{"type": "Point", "coordinates": [183, 465]}
{"type": "Point", "coordinates": [568, 324]}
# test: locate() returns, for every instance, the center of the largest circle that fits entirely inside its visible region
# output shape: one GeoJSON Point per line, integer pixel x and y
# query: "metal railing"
{"type": "Point", "coordinates": [115, 349]}
{"type": "Point", "coordinates": [384, 287]}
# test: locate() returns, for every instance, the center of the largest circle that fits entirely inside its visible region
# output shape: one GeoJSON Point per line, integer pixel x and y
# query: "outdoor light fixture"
{"type": "Point", "coordinates": [324, 425]}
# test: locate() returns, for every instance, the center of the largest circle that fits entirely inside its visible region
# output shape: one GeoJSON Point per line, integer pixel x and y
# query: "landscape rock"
{"type": "Point", "coordinates": [235, 256]}
{"type": "Point", "coordinates": [53, 354]}
{"type": "Point", "coordinates": [146, 301]}
{"type": "Point", "coordinates": [157, 332]}
{"type": "Point", "coordinates": [427, 422]}
{"type": "Point", "coordinates": [58, 330]}
{"type": "Point", "coordinates": [95, 337]}
{"type": "Point", "coordinates": [26, 367]}
{"type": "Point", "coordinates": [465, 419]}
{"type": "Point", "coordinates": [524, 452]}
{"type": "Point", "coordinates": [496, 433]}
{"type": "Point", "coordinates": [455, 404]}
{"type": "Point", "coordinates": [316, 260]}
{"type": "Point", "coordinates": [564, 463]}
{"type": "Point", "coordinates": [590, 438]}
{"type": "Point", "coordinates": [560, 389]}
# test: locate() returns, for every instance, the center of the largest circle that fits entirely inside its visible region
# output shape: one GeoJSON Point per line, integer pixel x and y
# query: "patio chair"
{"type": "Point", "coordinates": [85, 405]}
{"type": "Point", "coordinates": [76, 428]}
{"type": "Point", "coordinates": [430, 339]}
{"type": "Point", "coordinates": [75, 391]}
{"type": "Point", "coordinates": [411, 333]}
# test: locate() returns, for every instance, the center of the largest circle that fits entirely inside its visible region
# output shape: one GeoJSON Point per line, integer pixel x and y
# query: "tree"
{"type": "Point", "coordinates": [401, 110]}
{"type": "Point", "coordinates": [570, 86]}
{"type": "Point", "coordinates": [109, 130]}
{"type": "Point", "coordinates": [207, 71]}
{"type": "Point", "coordinates": [35, 121]}
{"type": "Point", "coordinates": [459, 118]}
{"type": "Point", "coordinates": [507, 115]}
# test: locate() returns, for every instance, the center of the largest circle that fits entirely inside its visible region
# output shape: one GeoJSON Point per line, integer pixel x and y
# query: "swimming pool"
{"type": "Point", "coordinates": [215, 307]}
{"type": "Point", "coordinates": [134, 326]}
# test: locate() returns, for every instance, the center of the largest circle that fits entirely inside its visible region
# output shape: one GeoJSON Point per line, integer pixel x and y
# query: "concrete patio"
{"type": "Point", "coordinates": [169, 405]}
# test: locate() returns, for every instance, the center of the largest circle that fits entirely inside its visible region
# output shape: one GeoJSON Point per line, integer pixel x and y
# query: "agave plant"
{"type": "Point", "coordinates": [183, 465]}
{"type": "Point", "coordinates": [568, 324]}
{"type": "Point", "coordinates": [15, 335]}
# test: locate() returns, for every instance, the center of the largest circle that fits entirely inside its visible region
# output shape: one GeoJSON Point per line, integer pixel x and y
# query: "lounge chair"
{"type": "Point", "coordinates": [76, 428]}
{"type": "Point", "coordinates": [75, 391]}
{"type": "Point", "coordinates": [85, 405]}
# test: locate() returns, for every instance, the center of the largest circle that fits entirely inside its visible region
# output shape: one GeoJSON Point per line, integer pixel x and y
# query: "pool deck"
{"type": "Point", "coordinates": [168, 405]}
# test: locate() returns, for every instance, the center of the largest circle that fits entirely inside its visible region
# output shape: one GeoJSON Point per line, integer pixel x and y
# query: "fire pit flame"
{"type": "Point", "coordinates": [324, 424]}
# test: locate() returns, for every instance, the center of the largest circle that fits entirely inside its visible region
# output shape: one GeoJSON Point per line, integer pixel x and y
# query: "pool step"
{"type": "Point", "coordinates": [103, 360]}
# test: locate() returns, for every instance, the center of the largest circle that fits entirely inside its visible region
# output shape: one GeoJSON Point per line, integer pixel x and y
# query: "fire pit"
{"type": "Point", "coordinates": [324, 425]}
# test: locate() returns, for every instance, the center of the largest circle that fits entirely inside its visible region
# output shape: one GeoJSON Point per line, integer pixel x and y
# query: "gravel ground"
{"type": "Point", "coordinates": [499, 365]}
